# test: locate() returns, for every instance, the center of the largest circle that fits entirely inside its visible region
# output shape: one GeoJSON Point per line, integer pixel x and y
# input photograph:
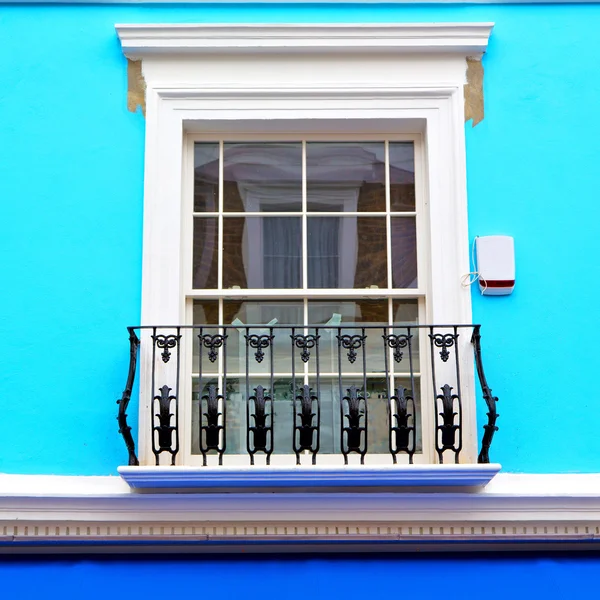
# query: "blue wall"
{"type": "Point", "coordinates": [299, 577]}
{"type": "Point", "coordinates": [71, 168]}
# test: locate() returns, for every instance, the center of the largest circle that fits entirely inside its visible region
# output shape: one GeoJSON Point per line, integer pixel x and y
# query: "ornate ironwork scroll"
{"type": "Point", "coordinates": [164, 429]}
{"type": "Point", "coordinates": [306, 423]}
{"type": "Point", "coordinates": [351, 343]}
{"type": "Point", "coordinates": [124, 428]}
{"type": "Point", "coordinates": [305, 343]}
{"type": "Point", "coordinates": [212, 343]}
{"type": "Point", "coordinates": [402, 428]}
{"type": "Point", "coordinates": [354, 419]}
{"type": "Point", "coordinates": [259, 343]}
{"type": "Point", "coordinates": [166, 343]}
{"type": "Point", "coordinates": [260, 423]}
{"type": "Point", "coordinates": [490, 428]}
{"type": "Point", "coordinates": [212, 424]}
{"type": "Point", "coordinates": [448, 426]}
{"type": "Point", "coordinates": [397, 343]}
{"type": "Point", "coordinates": [444, 341]}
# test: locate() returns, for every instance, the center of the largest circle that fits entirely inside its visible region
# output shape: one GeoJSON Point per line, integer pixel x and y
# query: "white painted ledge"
{"type": "Point", "coordinates": [314, 478]}
{"type": "Point", "coordinates": [140, 40]}
{"type": "Point", "coordinates": [48, 513]}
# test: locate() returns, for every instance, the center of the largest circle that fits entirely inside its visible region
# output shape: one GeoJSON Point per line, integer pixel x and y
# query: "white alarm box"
{"type": "Point", "coordinates": [496, 264]}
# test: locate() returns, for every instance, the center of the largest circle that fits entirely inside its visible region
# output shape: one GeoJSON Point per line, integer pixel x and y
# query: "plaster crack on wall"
{"type": "Point", "coordinates": [473, 91]}
{"type": "Point", "coordinates": [136, 86]}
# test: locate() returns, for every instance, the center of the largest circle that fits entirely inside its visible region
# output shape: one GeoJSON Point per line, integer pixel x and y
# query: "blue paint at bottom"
{"type": "Point", "coordinates": [298, 577]}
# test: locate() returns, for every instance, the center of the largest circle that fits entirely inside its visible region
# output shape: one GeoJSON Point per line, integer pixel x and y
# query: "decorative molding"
{"type": "Point", "coordinates": [313, 478]}
{"type": "Point", "coordinates": [61, 512]}
{"type": "Point", "coordinates": [142, 40]}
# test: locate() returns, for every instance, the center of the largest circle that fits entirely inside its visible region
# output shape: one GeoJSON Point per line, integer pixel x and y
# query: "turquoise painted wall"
{"type": "Point", "coordinates": [71, 169]}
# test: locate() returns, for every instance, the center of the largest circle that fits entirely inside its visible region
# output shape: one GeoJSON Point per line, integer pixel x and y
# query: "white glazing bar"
{"type": "Point", "coordinates": [305, 333]}
{"type": "Point", "coordinates": [388, 219]}
{"type": "Point", "coordinates": [388, 225]}
{"type": "Point", "coordinates": [298, 293]}
{"type": "Point", "coordinates": [304, 223]}
{"type": "Point", "coordinates": [220, 225]}
{"type": "Point", "coordinates": [312, 213]}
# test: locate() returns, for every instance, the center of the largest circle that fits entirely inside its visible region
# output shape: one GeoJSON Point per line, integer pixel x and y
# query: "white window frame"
{"type": "Point", "coordinates": [361, 79]}
{"type": "Point", "coordinates": [426, 456]}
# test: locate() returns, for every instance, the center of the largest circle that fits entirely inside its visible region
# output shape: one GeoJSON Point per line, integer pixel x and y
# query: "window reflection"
{"type": "Point", "coordinates": [345, 177]}
{"type": "Point", "coordinates": [206, 177]}
{"type": "Point", "coordinates": [262, 252]}
{"type": "Point", "coordinates": [347, 252]}
{"type": "Point", "coordinates": [262, 177]}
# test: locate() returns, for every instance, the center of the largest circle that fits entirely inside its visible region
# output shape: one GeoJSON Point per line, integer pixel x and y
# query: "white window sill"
{"type": "Point", "coordinates": [308, 479]}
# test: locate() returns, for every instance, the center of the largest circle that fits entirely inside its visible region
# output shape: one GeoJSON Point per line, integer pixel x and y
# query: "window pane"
{"type": "Point", "coordinates": [347, 252]}
{"type": "Point", "coordinates": [402, 176]}
{"type": "Point", "coordinates": [206, 312]}
{"type": "Point", "coordinates": [347, 314]}
{"type": "Point", "coordinates": [206, 177]}
{"type": "Point", "coordinates": [262, 177]}
{"type": "Point", "coordinates": [261, 312]}
{"type": "Point", "coordinates": [404, 252]}
{"type": "Point", "coordinates": [345, 177]}
{"type": "Point", "coordinates": [204, 266]}
{"type": "Point", "coordinates": [406, 312]}
{"type": "Point", "coordinates": [262, 252]}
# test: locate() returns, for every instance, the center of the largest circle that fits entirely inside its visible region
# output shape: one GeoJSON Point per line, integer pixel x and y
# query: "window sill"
{"type": "Point", "coordinates": [308, 479]}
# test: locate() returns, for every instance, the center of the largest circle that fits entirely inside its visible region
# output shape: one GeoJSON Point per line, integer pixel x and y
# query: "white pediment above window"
{"type": "Point", "coordinates": [143, 40]}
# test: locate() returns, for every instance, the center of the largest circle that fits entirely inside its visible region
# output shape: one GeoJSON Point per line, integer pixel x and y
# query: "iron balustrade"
{"type": "Point", "coordinates": [347, 349]}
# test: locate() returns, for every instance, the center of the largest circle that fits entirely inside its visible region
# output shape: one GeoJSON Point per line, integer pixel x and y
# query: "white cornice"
{"type": "Point", "coordinates": [61, 512]}
{"type": "Point", "coordinates": [141, 40]}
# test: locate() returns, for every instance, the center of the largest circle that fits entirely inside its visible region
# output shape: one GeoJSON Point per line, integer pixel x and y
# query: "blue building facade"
{"type": "Point", "coordinates": [72, 184]}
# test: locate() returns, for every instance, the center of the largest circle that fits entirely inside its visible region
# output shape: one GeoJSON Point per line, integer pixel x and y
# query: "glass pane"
{"type": "Point", "coordinates": [406, 312]}
{"type": "Point", "coordinates": [345, 177]}
{"type": "Point", "coordinates": [204, 275]}
{"type": "Point", "coordinates": [262, 252]}
{"type": "Point", "coordinates": [206, 312]}
{"type": "Point", "coordinates": [404, 252]}
{"type": "Point", "coordinates": [347, 252]}
{"type": "Point", "coordinates": [347, 314]}
{"type": "Point", "coordinates": [206, 177]}
{"type": "Point", "coordinates": [402, 176]}
{"type": "Point", "coordinates": [242, 313]}
{"type": "Point", "coordinates": [262, 177]}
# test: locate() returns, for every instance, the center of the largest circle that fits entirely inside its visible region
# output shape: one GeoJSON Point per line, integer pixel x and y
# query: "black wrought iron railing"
{"type": "Point", "coordinates": [306, 390]}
